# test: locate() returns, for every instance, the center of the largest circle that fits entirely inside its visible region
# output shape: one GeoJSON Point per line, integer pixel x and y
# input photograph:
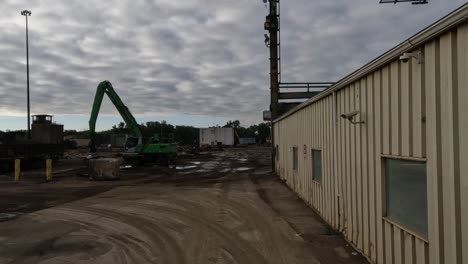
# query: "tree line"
{"type": "Point", "coordinates": [260, 132]}
{"type": "Point", "coordinates": [184, 135]}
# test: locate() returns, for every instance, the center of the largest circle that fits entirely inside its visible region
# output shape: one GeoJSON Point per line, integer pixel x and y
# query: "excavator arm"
{"type": "Point", "coordinates": [105, 87]}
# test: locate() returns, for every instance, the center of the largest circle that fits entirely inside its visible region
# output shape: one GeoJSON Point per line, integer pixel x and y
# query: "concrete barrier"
{"type": "Point", "coordinates": [104, 168]}
{"type": "Point", "coordinates": [17, 170]}
{"type": "Point", "coordinates": [48, 169]}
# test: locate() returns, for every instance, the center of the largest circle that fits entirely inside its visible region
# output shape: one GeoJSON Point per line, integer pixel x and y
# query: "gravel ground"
{"type": "Point", "coordinates": [219, 207]}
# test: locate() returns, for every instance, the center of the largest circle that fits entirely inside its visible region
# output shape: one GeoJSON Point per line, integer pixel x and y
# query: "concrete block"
{"type": "Point", "coordinates": [104, 168]}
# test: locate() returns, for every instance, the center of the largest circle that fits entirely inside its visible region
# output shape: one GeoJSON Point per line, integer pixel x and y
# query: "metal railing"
{"type": "Point", "coordinates": [316, 86]}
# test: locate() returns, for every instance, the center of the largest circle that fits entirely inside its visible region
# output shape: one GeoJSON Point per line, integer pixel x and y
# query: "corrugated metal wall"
{"type": "Point", "coordinates": [412, 110]}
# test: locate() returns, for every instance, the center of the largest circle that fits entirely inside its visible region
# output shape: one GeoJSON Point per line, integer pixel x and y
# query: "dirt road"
{"type": "Point", "coordinates": [224, 208]}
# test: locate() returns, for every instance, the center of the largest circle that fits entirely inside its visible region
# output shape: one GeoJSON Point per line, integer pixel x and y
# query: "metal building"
{"type": "Point", "coordinates": [45, 131]}
{"type": "Point", "coordinates": [391, 174]}
{"type": "Point", "coordinates": [247, 141]}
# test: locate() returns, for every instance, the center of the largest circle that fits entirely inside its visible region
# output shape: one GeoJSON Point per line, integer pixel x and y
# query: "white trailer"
{"type": "Point", "coordinates": [217, 136]}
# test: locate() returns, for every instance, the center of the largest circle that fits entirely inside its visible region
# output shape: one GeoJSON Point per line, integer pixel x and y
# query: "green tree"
{"type": "Point", "coordinates": [70, 132]}
{"type": "Point", "coordinates": [234, 124]}
{"type": "Point", "coordinates": [262, 132]}
{"type": "Point", "coordinates": [186, 135]}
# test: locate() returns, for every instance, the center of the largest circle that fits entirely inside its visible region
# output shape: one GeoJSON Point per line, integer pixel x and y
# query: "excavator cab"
{"type": "Point", "coordinates": [131, 144]}
{"type": "Point", "coordinates": [155, 139]}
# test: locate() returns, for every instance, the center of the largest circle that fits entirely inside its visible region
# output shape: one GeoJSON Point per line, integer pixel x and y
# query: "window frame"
{"type": "Point", "coordinates": [295, 158]}
{"type": "Point", "coordinates": [277, 152]}
{"type": "Point", "coordinates": [314, 177]}
{"type": "Point", "coordinates": [384, 158]}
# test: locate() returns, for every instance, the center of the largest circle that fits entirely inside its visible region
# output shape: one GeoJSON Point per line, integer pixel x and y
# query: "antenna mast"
{"type": "Point", "coordinates": [414, 2]}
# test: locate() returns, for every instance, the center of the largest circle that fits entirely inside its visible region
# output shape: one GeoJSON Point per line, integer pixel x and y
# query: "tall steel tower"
{"type": "Point", "coordinates": [284, 95]}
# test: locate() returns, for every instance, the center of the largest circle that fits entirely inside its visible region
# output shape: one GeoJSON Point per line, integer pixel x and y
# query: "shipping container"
{"type": "Point", "coordinates": [214, 136]}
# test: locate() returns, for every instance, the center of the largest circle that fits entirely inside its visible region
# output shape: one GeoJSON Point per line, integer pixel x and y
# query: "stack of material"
{"type": "Point", "coordinates": [104, 168]}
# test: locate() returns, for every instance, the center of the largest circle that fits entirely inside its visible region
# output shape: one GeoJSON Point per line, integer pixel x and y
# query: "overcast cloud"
{"type": "Point", "coordinates": [201, 57]}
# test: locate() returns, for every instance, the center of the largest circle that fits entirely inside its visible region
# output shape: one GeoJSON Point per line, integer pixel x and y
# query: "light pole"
{"type": "Point", "coordinates": [272, 42]}
{"type": "Point", "coordinates": [27, 13]}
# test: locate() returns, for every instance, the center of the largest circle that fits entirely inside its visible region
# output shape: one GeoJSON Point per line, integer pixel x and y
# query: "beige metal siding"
{"type": "Point", "coordinates": [462, 120]}
{"type": "Point", "coordinates": [411, 110]}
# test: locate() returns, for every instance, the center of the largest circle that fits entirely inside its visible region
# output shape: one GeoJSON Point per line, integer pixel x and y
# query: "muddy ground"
{"type": "Point", "coordinates": [218, 207]}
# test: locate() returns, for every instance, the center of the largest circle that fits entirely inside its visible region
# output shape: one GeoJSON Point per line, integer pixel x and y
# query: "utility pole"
{"type": "Point", "coordinates": [272, 26]}
{"type": "Point", "coordinates": [27, 13]}
{"type": "Point", "coordinates": [272, 42]}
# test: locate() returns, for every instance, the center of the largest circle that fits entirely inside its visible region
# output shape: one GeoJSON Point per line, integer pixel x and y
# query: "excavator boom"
{"type": "Point", "coordinates": [105, 87]}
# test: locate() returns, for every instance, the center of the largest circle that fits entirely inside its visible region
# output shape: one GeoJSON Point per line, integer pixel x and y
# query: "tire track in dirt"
{"type": "Point", "coordinates": [213, 217]}
{"type": "Point", "coordinates": [134, 215]}
{"type": "Point", "coordinates": [145, 242]}
{"type": "Point", "coordinates": [230, 241]}
{"type": "Point", "coordinates": [222, 215]}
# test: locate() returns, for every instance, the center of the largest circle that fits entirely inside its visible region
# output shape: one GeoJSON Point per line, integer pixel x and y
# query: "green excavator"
{"type": "Point", "coordinates": [137, 149]}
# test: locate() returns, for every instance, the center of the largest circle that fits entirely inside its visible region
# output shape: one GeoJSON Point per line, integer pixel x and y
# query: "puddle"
{"type": "Point", "coordinates": [242, 160]}
{"type": "Point", "coordinates": [215, 164]}
{"type": "Point", "coordinates": [8, 216]}
{"type": "Point", "coordinates": [210, 165]}
{"type": "Point", "coordinates": [195, 162]}
{"type": "Point", "coordinates": [225, 170]}
{"type": "Point", "coordinates": [185, 167]}
{"type": "Point", "coordinates": [126, 167]}
{"type": "Point", "coordinates": [184, 172]}
{"type": "Point", "coordinates": [261, 172]}
{"type": "Point", "coordinates": [202, 170]}
{"type": "Point", "coordinates": [242, 169]}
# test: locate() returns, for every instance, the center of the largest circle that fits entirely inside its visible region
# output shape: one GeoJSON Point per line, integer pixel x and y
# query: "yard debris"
{"type": "Point", "coordinates": [104, 168]}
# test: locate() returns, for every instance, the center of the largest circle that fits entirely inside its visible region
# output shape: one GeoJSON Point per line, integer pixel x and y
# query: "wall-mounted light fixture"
{"type": "Point", "coordinates": [350, 116]}
{"type": "Point", "coordinates": [416, 55]}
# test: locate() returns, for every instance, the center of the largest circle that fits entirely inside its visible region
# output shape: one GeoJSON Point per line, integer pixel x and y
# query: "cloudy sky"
{"type": "Point", "coordinates": [194, 62]}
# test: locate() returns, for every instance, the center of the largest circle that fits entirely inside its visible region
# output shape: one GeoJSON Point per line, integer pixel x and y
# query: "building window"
{"type": "Point", "coordinates": [295, 158]}
{"type": "Point", "coordinates": [317, 165]}
{"type": "Point", "coordinates": [277, 153]}
{"type": "Point", "coordinates": [406, 194]}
